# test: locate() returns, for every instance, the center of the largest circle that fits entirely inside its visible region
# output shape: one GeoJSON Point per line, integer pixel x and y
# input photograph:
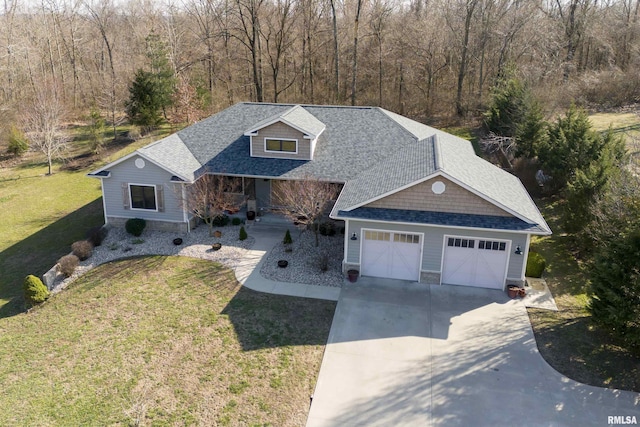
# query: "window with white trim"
{"type": "Point", "coordinates": [492, 246]}
{"type": "Point", "coordinates": [460, 243]}
{"type": "Point", "coordinates": [406, 238]}
{"type": "Point", "coordinates": [281, 145]}
{"type": "Point", "coordinates": [377, 235]}
{"type": "Point", "coordinates": [143, 197]}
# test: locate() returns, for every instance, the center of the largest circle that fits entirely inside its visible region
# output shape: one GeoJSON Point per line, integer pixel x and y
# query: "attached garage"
{"type": "Point", "coordinates": [475, 262]}
{"type": "Point", "coordinates": [391, 254]}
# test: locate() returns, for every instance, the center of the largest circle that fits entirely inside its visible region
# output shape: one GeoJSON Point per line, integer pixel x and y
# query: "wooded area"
{"type": "Point", "coordinates": [422, 58]}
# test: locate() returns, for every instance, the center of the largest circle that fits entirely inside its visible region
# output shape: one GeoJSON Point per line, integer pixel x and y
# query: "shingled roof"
{"type": "Point", "coordinates": [373, 151]}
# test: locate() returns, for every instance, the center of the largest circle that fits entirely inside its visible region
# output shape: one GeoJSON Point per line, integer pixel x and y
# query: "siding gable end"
{"type": "Point", "coordinates": [454, 199]}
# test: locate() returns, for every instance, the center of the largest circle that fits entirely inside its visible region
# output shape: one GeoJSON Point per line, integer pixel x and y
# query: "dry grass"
{"type": "Point", "coordinates": [162, 340]}
{"type": "Point", "coordinates": [626, 124]}
{"type": "Point", "coordinates": [567, 339]}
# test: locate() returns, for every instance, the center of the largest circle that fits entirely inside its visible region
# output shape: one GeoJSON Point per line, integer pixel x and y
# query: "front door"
{"type": "Point", "coordinates": [263, 193]}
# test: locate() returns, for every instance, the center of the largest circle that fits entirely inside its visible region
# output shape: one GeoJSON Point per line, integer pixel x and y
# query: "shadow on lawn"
{"type": "Point", "coordinates": [264, 320]}
{"type": "Point", "coordinates": [38, 252]}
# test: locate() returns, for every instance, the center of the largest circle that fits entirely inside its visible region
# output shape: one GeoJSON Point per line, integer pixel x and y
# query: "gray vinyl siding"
{"type": "Point", "coordinates": [433, 243]}
{"type": "Point", "coordinates": [280, 131]}
{"type": "Point", "coordinates": [127, 173]}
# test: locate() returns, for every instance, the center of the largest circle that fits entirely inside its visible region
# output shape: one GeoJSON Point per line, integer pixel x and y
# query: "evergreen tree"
{"type": "Point", "coordinates": [96, 130]}
{"type": "Point", "coordinates": [572, 145]}
{"type": "Point", "coordinates": [144, 105]}
{"type": "Point", "coordinates": [151, 92]}
{"type": "Point", "coordinates": [615, 288]}
{"type": "Point", "coordinates": [510, 103]}
{"type": "Point", "coordinates": [515, 113]}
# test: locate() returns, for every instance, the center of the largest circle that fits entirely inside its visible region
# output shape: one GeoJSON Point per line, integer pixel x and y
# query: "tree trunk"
{"type": "Point", "coordinates": [336, 53]}
{"type": "Point", "coordinates": [354, 69]}
{"type": "Point", "coordinates": [462, 71]}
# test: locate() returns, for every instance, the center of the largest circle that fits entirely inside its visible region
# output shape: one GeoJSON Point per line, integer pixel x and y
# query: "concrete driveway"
{"type": "Point", "coordinates": [405, 354]}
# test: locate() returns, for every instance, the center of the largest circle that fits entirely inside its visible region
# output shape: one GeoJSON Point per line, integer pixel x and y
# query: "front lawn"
{"type": "Point", "coordinates": [162, 340]}
{"type": "Point", "coordinates": [42, 215]}
{"type": "Point", "coordinates": [567, 339]}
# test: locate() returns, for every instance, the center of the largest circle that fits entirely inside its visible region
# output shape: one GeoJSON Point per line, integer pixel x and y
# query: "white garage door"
{"type": "Point", "coordinates": [390, 254]}
{"type": "Point", "coordinates": [475, 262]}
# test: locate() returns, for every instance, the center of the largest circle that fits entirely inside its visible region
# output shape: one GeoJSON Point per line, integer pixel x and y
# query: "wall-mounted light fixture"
{"type": "Point", "coordinates": [354, 236]}
{"type": "Point", "coordinates": [518, 250]}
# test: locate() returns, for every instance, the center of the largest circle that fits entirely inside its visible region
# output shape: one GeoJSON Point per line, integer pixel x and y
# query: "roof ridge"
{"type": "Point", "coordinates": [437, 155]}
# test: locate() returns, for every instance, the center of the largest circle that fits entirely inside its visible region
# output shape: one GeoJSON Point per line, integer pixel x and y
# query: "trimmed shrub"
{"type": "Point", "coordinates": [135, 226]}
{"type": "Point", "coordinates": [535, 265]}
{"type": "Point", "coordinates": [327, 228]}
{"type": "Point", "coordinates": [96, 235]}
{"type": "Point", "coordinates": [287, 238]}
{"type": "Point", "coordinates": [236, 221]}
{"type": "Point", "coordinates": [67, 265]}
{"type": "Point", "coordinates": [243, 234]}
{"type": "Point", "coordinates": [35, 292]}
{"type": "Point", "coordinates": [220, 220]}
{"type": "Point", "coordinates": [82, 249]}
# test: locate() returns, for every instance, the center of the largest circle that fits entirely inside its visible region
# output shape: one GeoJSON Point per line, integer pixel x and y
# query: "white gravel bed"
{"type": "Point", "coordinates": [304, 260]}
{"type": "Point", "coordinates": [197, 244]}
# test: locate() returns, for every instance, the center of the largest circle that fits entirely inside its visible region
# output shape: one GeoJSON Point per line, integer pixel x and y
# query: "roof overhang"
{"type": "Point", "coordinates": [443, 220]}
{"type": "Point", "coordinates": [108, 166]}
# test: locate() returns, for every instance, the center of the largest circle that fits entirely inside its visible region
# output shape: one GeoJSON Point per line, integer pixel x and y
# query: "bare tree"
{"type": "Point", "coordinates": [249, 12]}
{"type": "Point", "coordinates": [468, 7]}
{"type": "Point", "coordinates": [278, 40]}
{"type": "Point", "coordinates": [336, 52]}
{"type": "Point", "coordinates": [187, 105]}
{"type": "Point", "coordinates": [354, 66]}
{"type": "Point", "coordinates": [43, 120]}
{"type": "Point", "coordinates": [210, 196]}
{"type": "Point", "coordinates": [305, 201]}
{"type": "Point", "coordinates": [102, 15]}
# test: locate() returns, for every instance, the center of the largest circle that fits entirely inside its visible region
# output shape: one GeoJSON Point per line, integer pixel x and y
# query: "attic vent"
{"type": "Point", "coordinates": [438, 187]}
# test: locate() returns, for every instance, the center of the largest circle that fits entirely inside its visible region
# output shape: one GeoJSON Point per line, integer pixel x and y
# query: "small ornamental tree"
{"type": "Point", "coordinates": [35, 292]}
{"type": "Point", "coordinates": [287, 238]}
{"type": "Point", "coordinates": [44, 118]}
{"type": "Point", "coordinates": [243, 234]}
{"type": "Point", "coordinates": [305, 201]}
{"type": "Point", "coordinates": [210, 196]}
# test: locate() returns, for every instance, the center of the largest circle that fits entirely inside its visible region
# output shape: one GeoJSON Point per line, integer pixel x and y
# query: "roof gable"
{"type": "Point", "coordinates": [426, 196]}
{"type": "Point", "coordinates": [296, 117]}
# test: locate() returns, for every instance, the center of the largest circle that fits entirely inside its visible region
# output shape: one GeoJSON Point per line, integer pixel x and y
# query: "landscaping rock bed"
{"type": "Point", "coordinates": [305, 259]}
{"type": "Point", "coordinates": [197, 244]}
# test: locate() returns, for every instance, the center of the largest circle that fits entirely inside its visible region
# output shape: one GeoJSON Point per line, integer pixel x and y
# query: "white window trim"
{"type": "Point", "coordinates": [279, 151]}
{"type": "Point", "coordinates": [155, 195]}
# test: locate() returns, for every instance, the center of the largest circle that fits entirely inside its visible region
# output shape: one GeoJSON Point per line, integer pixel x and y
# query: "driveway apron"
{"type": "Point", "coordinates": [409, 354]}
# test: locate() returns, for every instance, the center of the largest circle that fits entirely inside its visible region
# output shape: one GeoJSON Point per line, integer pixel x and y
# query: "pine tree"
{"type": "Point", "coordinates": [615, 288]}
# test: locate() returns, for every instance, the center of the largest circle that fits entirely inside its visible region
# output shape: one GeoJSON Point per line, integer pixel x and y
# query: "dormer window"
{"type": "Point", "coordinates": [290, 134]}
{"type": "Point", "coordinates": [281, 145]}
